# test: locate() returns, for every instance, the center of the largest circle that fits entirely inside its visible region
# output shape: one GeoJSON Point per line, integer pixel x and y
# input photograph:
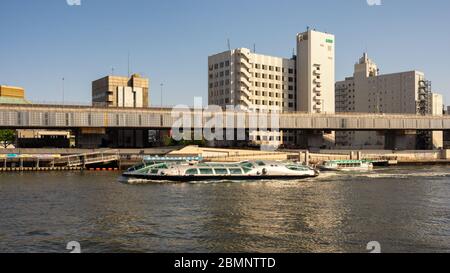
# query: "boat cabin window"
{"type": "Point", "coordinates": [221, 171]}
{"type": "Point", "coordinates": [191, 172]}
{"type": "Point", "coordinates": [235, 171]}
{"type": "Point", "coordinates": [206, 171]}
{"type": "Point", "coordinates": [297, 168]}
{"type": "Point", "coordinates": [260, 163]}
{"type": "Point", "coordinates": [247, 165]}
{"type": "Point", "coordinates": [246, 169]}
{"type": "Point", "coordinates": [154, 171]}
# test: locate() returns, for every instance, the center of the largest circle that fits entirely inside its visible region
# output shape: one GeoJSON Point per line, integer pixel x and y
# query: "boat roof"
{"type": "Point", "coordinates": [346, 161]}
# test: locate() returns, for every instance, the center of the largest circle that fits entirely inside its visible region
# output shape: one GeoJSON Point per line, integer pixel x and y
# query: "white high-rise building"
{"type": "Point", "coordinates": [315, 72]}
{"type": "Point", "coordinates": [259, 82]}
{"type": "Point", "coordinates": [256, 83]}
{"type": "Point", "coordinates": [369, 92]}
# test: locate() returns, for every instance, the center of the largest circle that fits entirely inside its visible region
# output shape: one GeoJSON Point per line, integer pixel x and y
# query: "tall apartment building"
{"type": "Point", "coordinates": [255, 82]}
{"type": "Point", "coordinates": [315, 72]}
{"type": "Point", "coordinates": [116, 91]}
{"type": "Point", "coordinates": [265, 83]}
{"type": "Point", "coordinates": [369, 92]}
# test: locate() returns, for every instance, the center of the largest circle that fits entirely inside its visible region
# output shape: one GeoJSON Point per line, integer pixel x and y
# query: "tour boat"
{"type": "Point", "coordinates": [198, 171]}
{"type": "Point", "coordinates": [346, 165]}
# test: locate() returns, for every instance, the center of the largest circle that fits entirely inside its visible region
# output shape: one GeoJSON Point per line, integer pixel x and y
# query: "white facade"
{"type": "Point", "coordinates": [254, 82]}
{"type": "Point", "coordinates": [315, 72]}
{"type": "Point", "coordinates": [369, 92]}
{"type": "Point", "coordinates": [259, 82]}
{"type": "Point", "coordinates": [129, 97]}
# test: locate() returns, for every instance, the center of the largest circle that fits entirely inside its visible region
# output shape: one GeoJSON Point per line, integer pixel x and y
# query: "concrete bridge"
{"type": "Point", "coordinates": [72, 117]}
{"type": "Point", "coordinates": [91, 124]}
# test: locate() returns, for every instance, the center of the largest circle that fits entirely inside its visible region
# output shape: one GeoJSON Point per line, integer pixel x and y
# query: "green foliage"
{"type": "Point", "coordinates": [7, 137]}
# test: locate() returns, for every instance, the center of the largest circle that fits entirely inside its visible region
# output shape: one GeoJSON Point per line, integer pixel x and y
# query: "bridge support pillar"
{"type": "Point", "coordinates": [446, 139]}
{"type": "Point", "coordinates": [400, 140]}
{"type": "Point", "coordinates": [133, 138]}
{"type": "Point", "coordinates": [90, 138]}
{"type": "Point", "coordinates": [313, 139]}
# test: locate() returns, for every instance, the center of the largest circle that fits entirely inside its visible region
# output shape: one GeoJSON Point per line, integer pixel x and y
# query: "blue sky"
{"type": "Point", "coordinates": [169, 41]}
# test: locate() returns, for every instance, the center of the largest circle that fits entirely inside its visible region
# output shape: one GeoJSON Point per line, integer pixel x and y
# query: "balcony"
{"type": "Point", "coordinates": [246, 63]}
{"type": "Point", "coordinates": [247, 92]}
{"type": "Point", "coordinates": [246, 83]}
{"type": "Point", "coordinates": [246, 73]}
{"type": "Point", "coordinates": [317, 81]}
{"type": "Point", "coordinates": [245, 102]}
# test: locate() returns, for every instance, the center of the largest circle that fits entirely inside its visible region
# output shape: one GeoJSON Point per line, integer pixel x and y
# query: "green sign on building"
{"type": "Point", "coordinates": [330, 41]}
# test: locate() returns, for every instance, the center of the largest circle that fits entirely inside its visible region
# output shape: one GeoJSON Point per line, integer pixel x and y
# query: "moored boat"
{"type": "Point", "coordinates": [346, 165]}
{"type": "Point", "coordinates": [197, 171]}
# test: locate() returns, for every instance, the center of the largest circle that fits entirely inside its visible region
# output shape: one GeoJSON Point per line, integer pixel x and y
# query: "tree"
{"type": "Point", "coordinates": [7, 137]}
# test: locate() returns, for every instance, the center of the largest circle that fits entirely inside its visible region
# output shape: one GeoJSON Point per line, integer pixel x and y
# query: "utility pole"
{"type": "Point", "coordinates": [162, 85]}
{"type": "Point", "coordinates": [63, 90]}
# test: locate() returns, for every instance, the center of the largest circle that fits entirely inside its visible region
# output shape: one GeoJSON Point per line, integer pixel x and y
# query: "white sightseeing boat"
{"type": "Point", "coordinates": [346, 165]}
{"type": "Point", "coordinates": [196, 171]}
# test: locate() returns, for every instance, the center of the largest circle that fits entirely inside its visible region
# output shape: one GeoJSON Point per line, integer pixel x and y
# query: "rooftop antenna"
{"type": "Point", "coordinates": [112, 71]}
{"type": "Point", "coordinates": [228, 44]}
{"type": "Point", "coordinates": [254, 48]}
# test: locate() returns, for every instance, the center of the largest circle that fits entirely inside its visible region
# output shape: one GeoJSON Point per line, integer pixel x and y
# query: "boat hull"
{"type": "Point", "coordinates": [362, 169]}
{"type": "Point", "coordinates": [215, 177]}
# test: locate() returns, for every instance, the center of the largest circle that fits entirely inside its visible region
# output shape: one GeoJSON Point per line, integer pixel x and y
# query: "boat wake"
{"type": "Point", "coordinates": [405, 175]}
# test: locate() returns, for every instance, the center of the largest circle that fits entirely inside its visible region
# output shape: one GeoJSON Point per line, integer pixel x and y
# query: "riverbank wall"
{"type": "Point", "coordinates": [129, 157]}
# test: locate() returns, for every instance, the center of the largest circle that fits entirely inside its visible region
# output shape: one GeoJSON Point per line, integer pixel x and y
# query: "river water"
{"type": "Point", "coordinates": [405, 209]}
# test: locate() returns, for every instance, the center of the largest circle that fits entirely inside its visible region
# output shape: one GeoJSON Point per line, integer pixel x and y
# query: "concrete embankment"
{"type": "Point", "coordinates": [113, 160]}
{"type": "Point", "coordinates": [317, 157]}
